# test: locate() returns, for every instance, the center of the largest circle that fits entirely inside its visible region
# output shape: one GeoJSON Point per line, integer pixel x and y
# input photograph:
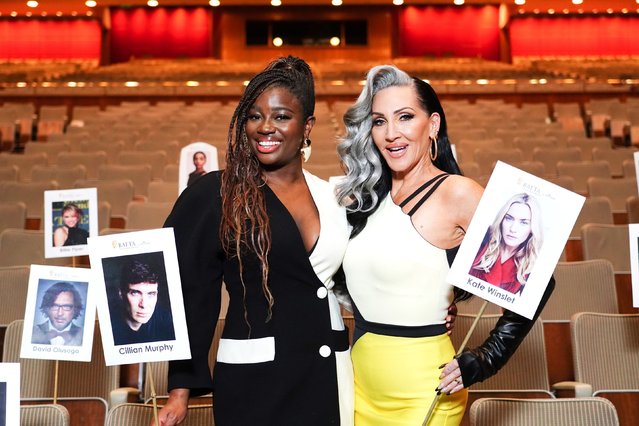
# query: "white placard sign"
{"type": "Point", "coordinates": [70, 218]}
{"type": "Point", "coordinates": [9, 394]}
{"type": "Point", "coordinates": [515, 239]}
{"type": "Point", "coordinates": [196, 159]}
{"type": "Point", "coordinates": [633, 230]}
{"type": "Point", "coordinates": [139, 297]}
{"type": "Point", "coordinates": [60, 314]}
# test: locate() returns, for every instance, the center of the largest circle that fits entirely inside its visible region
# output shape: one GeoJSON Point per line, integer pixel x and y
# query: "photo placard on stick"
{"type": "Point", "coordinates": [633, 230]}
{"type": "Point", "coordinates": [196, 159]}
{"type": "Point", "coordinates": [60, 314]}
{"type": "Point", "coordinates": [9, 394]}
{"type": "Point", "coordinates": [515, 239]}
{"type": "Point", "coordinates": [139, 297]}
{"type": "Point", "coordinates": [70, 218]}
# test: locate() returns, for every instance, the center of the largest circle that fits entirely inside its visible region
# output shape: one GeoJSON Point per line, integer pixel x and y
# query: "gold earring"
{"type": "Point", "coordinates": [306, 149]}
{"type": "Point", "coordinates": [433, 142]}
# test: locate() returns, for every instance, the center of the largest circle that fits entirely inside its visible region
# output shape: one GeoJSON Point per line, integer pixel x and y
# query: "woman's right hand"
{"type": "Point", "coordinates": [174, 411]}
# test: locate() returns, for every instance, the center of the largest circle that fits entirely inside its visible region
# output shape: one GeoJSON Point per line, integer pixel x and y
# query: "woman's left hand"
{"type": "Point", "coordinates": [451, 380]}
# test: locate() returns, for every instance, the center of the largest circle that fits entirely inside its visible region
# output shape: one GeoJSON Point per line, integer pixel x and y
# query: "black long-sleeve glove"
{"type": "Point", "coordinates": [480, 363]}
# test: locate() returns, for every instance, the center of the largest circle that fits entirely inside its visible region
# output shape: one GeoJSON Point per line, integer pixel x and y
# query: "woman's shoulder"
{"type": "Point", "coordinates": [311, 178]}
{"type": "Point", "coordinates": [463, 189]}
{"type": "Point", "coordinates": [326, 186]}
{"type": "Point", "coordinates": [205, 187]}
{"type": "Point", "coordinates": [200, 198]}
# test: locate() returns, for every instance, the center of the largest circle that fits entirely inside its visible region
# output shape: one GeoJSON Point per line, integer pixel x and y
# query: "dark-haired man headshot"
{"type": "Point", "coordinates": [139, 318]}
{"type": "Point", "coordinates": [61, 304]}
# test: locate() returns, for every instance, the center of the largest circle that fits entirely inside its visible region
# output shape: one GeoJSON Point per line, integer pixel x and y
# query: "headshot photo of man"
{"type": "Point", "coordinates": [61, 305]}
{"type": "Point", "coordinates": [139, 304]}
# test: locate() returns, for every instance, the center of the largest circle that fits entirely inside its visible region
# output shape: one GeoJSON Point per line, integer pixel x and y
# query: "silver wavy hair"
{"type": "Point", "coordinates": [361, 159]}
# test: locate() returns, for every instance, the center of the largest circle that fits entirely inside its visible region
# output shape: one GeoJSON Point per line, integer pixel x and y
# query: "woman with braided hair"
{"type": "Point", "coordinates": [276, 235]}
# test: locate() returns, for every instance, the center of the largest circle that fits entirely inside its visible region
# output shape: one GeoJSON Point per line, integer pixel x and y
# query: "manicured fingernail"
{"type": "Point", "coordinates": [439, 392]}
{"type": "Point", "coordinates": [442, 366]}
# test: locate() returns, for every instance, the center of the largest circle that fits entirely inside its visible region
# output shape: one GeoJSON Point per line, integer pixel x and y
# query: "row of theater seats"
{"type": "Point", "coordinates": [128, 122]}
{"type": "Point", "coordinates": [483, 412]}
{"type": "Point", "coordinates": [38, 414]}
{"type": "Point", "coordinates": [559, 366]}
{"type": "Point", "coordinates": [211, 70]}
{"type": "Point", "coordinates": [581, 346]}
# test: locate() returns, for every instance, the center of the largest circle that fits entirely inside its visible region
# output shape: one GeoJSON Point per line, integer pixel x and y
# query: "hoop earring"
{"type": "Point", "coordinates": [433, 142]}
{"type": "Point", "coordinates": [305, 150]}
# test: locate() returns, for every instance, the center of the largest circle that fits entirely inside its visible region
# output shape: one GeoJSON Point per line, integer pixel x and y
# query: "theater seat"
{"type": "Point", "coordinates": [141, 415]}
{"type": "Point", "coordinates": [534, 412]}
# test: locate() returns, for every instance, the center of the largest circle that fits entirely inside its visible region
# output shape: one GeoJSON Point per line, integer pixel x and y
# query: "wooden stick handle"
{"type": "Point", "coordinates": [153, 394]}
{"type": "Point", "coordinates": [55, 381]}
{"type": "Point", "coordinates": [459, 351]}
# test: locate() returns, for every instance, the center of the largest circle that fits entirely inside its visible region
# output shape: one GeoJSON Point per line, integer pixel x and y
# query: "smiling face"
{"type": "Point", "coordinates": [401, 128]}
{"type": "Point", "coordinates": [141, 299]}
{"type": "Point", "coordinates": [276, 127]}
{"type": "Point", "coordinates": [515, 227]}
{"type": "Point", "coordinates": [62, 311]}
{"type": "Point", "coordinates": [70, 218]}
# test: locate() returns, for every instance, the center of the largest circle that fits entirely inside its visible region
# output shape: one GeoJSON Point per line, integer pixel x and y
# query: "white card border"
{"type": "Point", "coordinates": [90, 194]}
{"type": "Point", "coordinates": [10, 374]}
{"type": "Point", "coordinates": [131, 243]}
{"type": "Point", "coordinates": [633, 238]}
{"type": "Point", "coordinates": [186, 161]}
{"type": "Point", "coordinates": [505, 182]}
{"type": "Point", "coordinates": [63, 353]}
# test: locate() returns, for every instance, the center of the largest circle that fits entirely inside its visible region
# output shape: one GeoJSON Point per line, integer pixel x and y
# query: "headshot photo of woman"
{"type": "Point", "coordinates": [70, 233]}
{"type": "Point", "coordinates": [199, 160]}
{"type": "Point", "coordinates": [511, 245]}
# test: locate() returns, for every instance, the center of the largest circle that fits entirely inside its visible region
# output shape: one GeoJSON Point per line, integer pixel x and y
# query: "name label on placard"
{"type": "Point", "coordinates": [147, 348]}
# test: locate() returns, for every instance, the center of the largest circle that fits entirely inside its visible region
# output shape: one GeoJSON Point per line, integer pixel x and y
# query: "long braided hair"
{"type": "Point", "coordinates": [245, 224]}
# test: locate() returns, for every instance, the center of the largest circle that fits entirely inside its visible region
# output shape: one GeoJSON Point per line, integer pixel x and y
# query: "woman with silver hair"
{"type": "Point", "coordinates": [409, 208]}
{"type": "Point", "coordinates": [510, 247]}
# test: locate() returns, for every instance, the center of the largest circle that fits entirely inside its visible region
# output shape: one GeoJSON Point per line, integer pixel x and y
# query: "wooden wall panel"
{"type": "Point", "coordinates": [232, 24]}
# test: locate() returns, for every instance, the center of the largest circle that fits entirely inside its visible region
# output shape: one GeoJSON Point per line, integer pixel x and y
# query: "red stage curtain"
{"type": "Point", "coordinates": [469, 31]}
{"type": "Point", "coordinates": [49, 39]}
{"type": "Point", "coordinates": [574, 36]}
{"type": "Point", "coordinates": [160, 33]}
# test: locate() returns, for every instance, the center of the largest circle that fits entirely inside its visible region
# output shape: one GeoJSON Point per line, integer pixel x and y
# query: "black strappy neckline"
{"type": "Point", "coordinates": [435, 182]}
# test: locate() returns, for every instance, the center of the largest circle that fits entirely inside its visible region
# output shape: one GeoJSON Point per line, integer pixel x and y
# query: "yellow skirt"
{"type": "Point", "coordinates": [395, 381]}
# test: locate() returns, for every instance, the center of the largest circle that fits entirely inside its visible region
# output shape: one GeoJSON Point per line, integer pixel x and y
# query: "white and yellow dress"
{"type": "Point", "coordinates": [397, 282]}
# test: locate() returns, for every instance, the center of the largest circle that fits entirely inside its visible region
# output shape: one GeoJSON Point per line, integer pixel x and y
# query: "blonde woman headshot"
{"type": "Point", "coordinates": [511, 245]}
{"type": "Point", "coordinates": [70, 233]}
